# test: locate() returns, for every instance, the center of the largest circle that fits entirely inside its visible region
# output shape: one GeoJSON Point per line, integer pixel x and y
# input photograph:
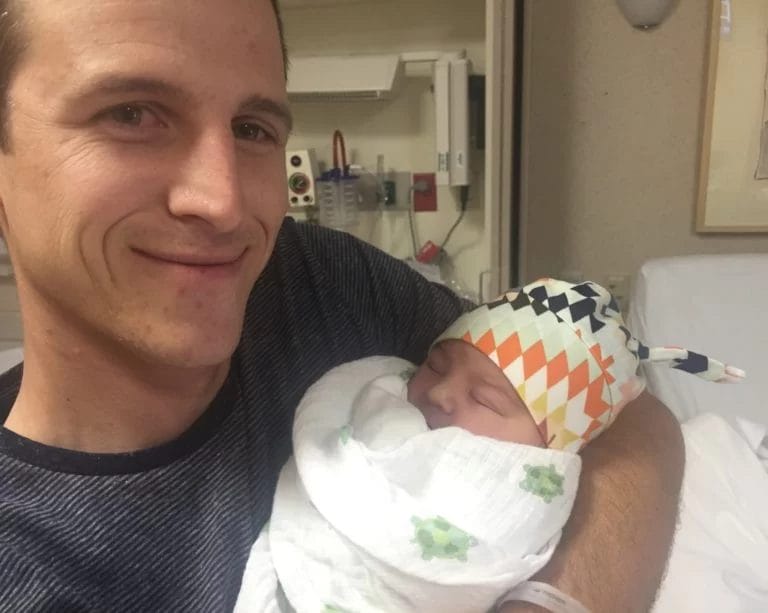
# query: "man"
{"type": "Point", "coordinates": [173, 320]}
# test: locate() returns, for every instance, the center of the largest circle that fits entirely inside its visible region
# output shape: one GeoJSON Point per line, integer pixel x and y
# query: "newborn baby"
{"type": "Point", "coordinates": [442, 487]}
{"type": "Point", "coordinates": [459, 386]}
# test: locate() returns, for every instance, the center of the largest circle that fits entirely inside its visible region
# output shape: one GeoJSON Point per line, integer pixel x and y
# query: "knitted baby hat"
{"type": "Point", "coordinates": [567, 352]}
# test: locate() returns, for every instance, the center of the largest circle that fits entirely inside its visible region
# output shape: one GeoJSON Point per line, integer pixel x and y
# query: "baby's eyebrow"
{"type": "Point", "coordinates": [439, 348]}
{"type": "Point", "coordinates": [436, 351]}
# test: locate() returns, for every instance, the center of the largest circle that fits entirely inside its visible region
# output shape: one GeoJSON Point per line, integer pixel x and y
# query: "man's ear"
{"type": "Point", "coordinates": [3, 224]}
{"type": "Point", "coordinates": [3, 191]}
{"type": "Point", "coordinates": [5, 188]}
{"type": "Point", "coordinates": [3, 216]}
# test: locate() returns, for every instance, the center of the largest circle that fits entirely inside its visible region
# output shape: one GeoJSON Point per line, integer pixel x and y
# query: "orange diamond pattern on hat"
{"type": "Point", "coordinates": [566, 350]}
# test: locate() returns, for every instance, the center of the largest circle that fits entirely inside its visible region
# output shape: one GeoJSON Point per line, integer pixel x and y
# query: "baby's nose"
{"type": "Point", "coordinates": [443, 398]}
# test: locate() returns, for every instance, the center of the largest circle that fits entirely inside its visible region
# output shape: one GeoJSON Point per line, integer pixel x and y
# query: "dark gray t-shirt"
{"type": "Point", "coordinates": [169, 528]}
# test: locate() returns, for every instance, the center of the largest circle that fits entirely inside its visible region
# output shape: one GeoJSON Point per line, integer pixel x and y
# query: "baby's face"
{"type": "Point", "coordinates": [460, 386]}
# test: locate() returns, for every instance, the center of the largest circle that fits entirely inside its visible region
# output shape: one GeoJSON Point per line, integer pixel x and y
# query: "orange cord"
{"type": "Point", "coordinates": [338, 142]}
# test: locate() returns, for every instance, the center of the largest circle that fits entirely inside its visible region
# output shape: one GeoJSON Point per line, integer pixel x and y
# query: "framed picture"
{"type": "Point", "coordinates": [733, 172]}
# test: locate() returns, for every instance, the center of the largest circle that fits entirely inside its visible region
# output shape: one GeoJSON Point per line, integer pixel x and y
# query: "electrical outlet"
{"type": "Point", "coordinates": [618, 285]}
{"type": "Point", "coordinates": [425, 201]}
{"type": "Point", "coordinates": [369, 191]}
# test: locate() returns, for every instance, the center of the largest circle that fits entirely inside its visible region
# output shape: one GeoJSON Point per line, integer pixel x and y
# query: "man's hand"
{"type": "Point", "coordinates": [614, 549]}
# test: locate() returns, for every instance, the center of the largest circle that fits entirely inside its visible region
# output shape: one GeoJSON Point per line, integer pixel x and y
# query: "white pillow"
{"type": "Point", "coordinates": [716, 305]}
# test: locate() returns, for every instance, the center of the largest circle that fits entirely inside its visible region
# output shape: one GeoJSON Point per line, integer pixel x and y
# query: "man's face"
{"type": "Point", "coordinates": [146, 184]}
{"type": "Point", "coordinates": [460, 386]}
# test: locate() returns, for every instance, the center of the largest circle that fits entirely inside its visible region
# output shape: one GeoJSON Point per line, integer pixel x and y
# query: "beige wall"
{"type": "Point", "coordinates": [612, 136]}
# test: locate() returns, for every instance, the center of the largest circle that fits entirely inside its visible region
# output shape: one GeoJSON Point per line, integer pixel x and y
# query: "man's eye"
{"type": "Point", "coordinates": [128, 114]}
{"type": "Point", "coordinates": [247, 130]}
{"type": "Point", "coordinates": [133, 120]}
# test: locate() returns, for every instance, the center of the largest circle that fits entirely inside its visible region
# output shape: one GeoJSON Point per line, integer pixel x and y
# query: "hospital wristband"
{"type": "Point", "coordinates": [543, 595]}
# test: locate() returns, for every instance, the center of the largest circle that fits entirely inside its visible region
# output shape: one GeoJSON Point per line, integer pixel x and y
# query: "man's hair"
{"type": "Point", "coordinates": [12, 46]}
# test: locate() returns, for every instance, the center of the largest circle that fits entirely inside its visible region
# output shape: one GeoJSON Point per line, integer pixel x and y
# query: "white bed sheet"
{"type": "Point", "coordinates": [714, 304]}
{"type": "Point", "coordinates": [719, 561]}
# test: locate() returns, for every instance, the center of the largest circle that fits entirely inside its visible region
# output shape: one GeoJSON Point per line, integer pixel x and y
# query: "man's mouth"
{"type": "Point", "coordinates": [199, 259]}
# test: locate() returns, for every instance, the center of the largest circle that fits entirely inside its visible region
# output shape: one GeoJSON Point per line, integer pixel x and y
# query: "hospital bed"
{"type": "Point", "coordinates": [717, 305]}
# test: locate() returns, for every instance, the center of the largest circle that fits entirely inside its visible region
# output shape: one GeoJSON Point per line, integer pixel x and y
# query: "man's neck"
{"type": "Point", "coordinates": [77, 395]}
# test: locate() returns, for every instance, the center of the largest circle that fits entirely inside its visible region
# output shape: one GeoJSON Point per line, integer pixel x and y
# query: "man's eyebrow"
{"type": "Point", "coordinates": [116, 84]}
{"type": "Point", "coordinates": [258, 103]}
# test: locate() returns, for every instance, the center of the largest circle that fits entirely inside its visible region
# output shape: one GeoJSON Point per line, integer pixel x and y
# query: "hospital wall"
{"type": "Point", "coordinates": [613, 120]}
{"type": "Point", "coordinates": [401, 129]}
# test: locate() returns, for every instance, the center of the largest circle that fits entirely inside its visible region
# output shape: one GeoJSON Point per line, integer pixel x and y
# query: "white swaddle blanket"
{"type": "Point", "coordinates": [375, 512]}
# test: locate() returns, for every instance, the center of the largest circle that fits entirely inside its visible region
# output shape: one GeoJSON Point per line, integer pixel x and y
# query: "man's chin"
{"type": "Point", "coordinates": [193, 357]}
{"type": "Point", "coordinates": [188, 347]}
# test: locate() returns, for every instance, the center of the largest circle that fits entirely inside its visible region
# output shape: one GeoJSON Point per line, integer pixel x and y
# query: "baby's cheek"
{"type": "Point", "coordinates": [417, 390]}
{"type": "Point", "coordinates": [519, 429]}
{"type": "Point", "coordinates": [422, 379]}
{"type": "Point", "coordinates": [413, 389]}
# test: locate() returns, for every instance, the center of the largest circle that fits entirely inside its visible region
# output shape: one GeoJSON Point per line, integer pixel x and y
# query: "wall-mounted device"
{"type": "Point", "coordinates": [301, 168]}
{"type": "Point", "coordinates": [451, 81]}
{"type": "Point", "coordinates": [377, 77]}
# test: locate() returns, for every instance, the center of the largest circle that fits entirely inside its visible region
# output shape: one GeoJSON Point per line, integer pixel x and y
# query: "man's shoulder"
{"type": "Point", "coordinates": [324, 282]}
{"type": "Point", "coordinates": [333, 261]}
{"type": "Point", "coordinates": [311, 241]}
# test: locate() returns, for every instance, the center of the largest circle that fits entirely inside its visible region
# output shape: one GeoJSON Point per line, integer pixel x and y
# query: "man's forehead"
{"type": "Point", "coordinates": [192, 41]}
{"type": "Point", "coordinates": [253, 21]}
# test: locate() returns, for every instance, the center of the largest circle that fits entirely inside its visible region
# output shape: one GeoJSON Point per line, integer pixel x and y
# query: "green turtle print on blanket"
{"type": "Point", "coordinates": [543, 481]}
{"type": "Point", "coordinates": [345, 434]}
{"type": "Point", "coordinates": [439, 538]}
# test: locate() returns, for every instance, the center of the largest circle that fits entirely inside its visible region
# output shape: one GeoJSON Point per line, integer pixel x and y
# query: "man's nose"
{"type": "Point", "coordinates": [209, 188]}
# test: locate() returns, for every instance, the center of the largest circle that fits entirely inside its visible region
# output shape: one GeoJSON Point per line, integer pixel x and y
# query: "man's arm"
{"type": "Point", "coordinates": [614, 549]}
